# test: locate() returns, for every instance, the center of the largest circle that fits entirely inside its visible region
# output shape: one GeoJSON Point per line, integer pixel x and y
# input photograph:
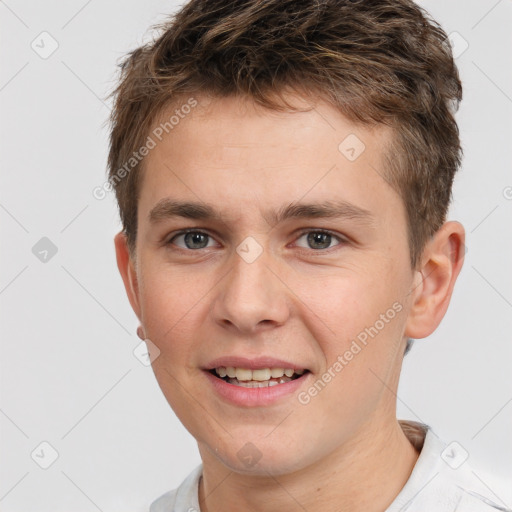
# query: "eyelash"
{"type": "Point", "coordinates": [341, 240]}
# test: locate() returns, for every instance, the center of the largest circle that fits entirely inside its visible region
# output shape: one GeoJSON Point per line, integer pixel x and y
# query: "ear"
{"type": "Point", "coordinates": [442, 261]}
{"type": "Point", "coordinates": [127, 270]}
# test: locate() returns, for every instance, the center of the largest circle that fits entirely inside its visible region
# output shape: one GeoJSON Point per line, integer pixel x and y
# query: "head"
{"type": "Point", "coordinates": [310, 147]}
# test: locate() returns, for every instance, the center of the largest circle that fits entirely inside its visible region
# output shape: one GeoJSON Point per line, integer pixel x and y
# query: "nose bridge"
{"type": "Point", "coordinates": [251, 294]}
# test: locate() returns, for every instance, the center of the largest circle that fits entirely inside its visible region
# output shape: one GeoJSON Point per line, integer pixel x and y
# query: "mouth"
{"type": "Point", "coordinates": [257, 378]}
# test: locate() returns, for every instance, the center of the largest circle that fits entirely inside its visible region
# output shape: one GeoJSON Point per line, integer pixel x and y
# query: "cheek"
{"type": "Point", "coordinates": [357, 321]}
{"type": "Point", "coordinates": [339, 306]}
{"type": "Point", "coordinates": [360, 357]}
{"type": "Point", "coordinates": [170, 301]}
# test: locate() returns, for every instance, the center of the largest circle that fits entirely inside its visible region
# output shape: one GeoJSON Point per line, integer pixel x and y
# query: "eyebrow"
{"type": "Point", "coordinates": [168, 208]}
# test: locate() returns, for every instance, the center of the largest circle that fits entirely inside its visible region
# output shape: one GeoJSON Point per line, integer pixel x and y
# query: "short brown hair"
{"type": "Point", "coordinates": [376, 61]}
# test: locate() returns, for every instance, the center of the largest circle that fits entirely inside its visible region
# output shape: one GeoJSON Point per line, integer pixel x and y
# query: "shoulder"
{"type": "Point", "coordinates": [164, 503]}
{"type": "Point", "coordinates": [447, 494]}
{"type": "Point", "coordinates": [182, 499]}
{"type": "Point", "coordinates": [443, 480]}
{"type": "Point", "coordinates": [473, 502]}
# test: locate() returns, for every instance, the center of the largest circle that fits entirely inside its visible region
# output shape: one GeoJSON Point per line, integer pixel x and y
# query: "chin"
{"type": "Point", "coordinates": [262, 459]}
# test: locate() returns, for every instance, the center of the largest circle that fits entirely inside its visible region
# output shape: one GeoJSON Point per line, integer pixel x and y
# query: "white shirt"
{"type": "Point", "coordinates": [441, 481]}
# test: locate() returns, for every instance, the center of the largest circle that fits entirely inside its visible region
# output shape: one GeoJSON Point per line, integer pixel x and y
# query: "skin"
{"type": "Point", "coordinates": [344, 450]}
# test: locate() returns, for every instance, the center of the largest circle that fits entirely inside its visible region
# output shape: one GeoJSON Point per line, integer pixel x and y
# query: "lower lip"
{"type": "Point", "coordinates": [254, 397]}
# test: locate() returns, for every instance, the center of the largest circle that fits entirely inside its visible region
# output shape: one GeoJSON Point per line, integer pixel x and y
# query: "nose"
{"type": "Point", "coordinates": [252, 297]}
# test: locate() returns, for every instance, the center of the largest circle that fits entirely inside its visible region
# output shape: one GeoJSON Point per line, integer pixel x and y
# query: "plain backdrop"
{"type": "Point", "coordinates": [69, 378]}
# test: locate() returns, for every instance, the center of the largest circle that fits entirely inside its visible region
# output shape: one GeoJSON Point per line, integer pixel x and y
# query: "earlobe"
{"type": "Point", "coordinates": [127, 271]}
{"type": "Point", "coordinates": [433, 285]}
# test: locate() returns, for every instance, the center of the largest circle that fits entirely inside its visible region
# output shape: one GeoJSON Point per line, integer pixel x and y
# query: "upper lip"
{"type": "Point", "coordinates": [254, 363]}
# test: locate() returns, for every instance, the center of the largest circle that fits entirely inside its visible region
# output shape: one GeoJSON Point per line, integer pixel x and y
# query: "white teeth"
{"type": "Point", "coordinates": [256, 384]}
{"type": "Point", "coordinates": [259, 375]}
{"type": "Point", "coordinates": [277, 372]}
{"type": "Point", "coordinates": [243, 374]}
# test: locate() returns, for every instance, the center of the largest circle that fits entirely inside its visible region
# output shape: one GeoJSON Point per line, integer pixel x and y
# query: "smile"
{"type": "Point", "coordinates": [256, 378]}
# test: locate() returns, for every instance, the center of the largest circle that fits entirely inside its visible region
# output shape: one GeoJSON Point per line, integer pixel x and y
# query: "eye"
{"type": "Point", "coordinates": [319, 239]}
{"type": "Point", "coordinates": [191, 240]}
{"type": "Point", "coordinates": [316, 240]}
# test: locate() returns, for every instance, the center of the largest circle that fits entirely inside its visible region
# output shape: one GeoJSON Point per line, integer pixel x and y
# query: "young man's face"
{"type": "Point", "coordinates": [254, 288]}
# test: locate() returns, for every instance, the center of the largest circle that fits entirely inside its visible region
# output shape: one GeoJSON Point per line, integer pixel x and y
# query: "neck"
{"type": "Point", "coordinates": [365, 474]}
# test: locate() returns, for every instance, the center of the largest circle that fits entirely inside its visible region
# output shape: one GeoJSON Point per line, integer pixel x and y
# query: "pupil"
{"type": "Point", "coordinates": [195, 240]}
{"type": "Point", "coordinates": [324, 239]}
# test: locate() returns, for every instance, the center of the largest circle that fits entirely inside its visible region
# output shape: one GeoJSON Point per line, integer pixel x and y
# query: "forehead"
{"type": "Point", "coordinates": [241, 155]}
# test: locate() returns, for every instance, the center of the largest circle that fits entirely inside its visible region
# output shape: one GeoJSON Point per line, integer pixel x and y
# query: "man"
{"type": "Point", "coordinates": [283, 171]}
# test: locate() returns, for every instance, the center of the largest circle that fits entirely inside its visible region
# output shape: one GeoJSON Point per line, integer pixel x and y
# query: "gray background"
{"type": "Point", "coordinates": [68, 373]}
